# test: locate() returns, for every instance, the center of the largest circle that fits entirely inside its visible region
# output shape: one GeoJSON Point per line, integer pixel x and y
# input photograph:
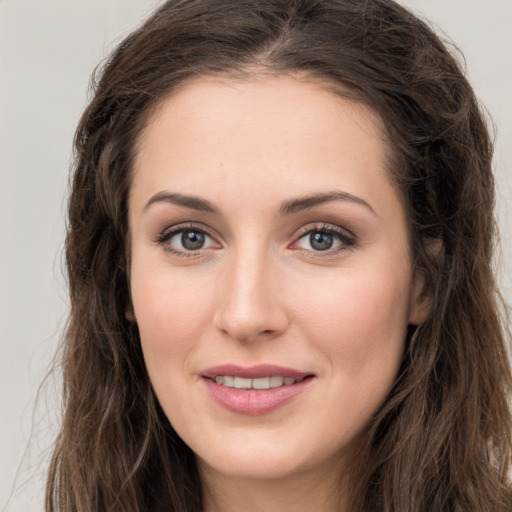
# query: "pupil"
{"type": "Point", "coordinates": [320, 241]}
{"type": "Point", "coordinates": [192, 240]}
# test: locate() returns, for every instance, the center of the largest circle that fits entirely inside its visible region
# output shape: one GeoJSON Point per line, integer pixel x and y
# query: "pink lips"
{"type": "Point", "coordinates": [253, 402]}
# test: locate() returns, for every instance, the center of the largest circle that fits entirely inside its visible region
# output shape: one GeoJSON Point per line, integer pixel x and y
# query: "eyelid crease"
{"type": "Point", "coordinates": [347, 239]}
{"type": "Point", "coordinates": [345, 236]}
{"type": "Point", "coordinates": [324, 226]}
{"type": "Point", "coordinates": [170, 231]}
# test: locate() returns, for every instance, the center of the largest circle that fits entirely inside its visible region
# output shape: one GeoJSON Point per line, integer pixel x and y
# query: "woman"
{"type": "Point", "coordinates": [280, 233]}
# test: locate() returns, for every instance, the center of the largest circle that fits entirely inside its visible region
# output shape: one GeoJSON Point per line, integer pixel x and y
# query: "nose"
{"type": "Point", "coordinates": [250, 305]}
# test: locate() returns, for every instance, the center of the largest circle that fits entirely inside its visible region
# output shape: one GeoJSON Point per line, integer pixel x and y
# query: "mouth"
{"type": "Point", "coordinates": [269, 382]}
{"type": "Point", "coordinates": [255, 390]}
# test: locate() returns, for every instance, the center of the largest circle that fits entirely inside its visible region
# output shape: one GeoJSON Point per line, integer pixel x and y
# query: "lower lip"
{"type": "Point", "coordinates": [253, 402]}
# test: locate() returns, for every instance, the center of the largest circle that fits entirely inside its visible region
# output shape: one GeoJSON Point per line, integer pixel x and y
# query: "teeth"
{"type": "Point", "coordinates": [261, 383]}
{"type": "Point", "coordinates": [241, 383]}
{"type": "Point", "coordinates": [276, 382]}
{"type": "Point", "coordinates": [229, 381]}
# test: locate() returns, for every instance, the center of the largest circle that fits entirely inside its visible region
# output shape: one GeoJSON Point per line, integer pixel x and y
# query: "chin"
{"type": "Point", "coordinates": [255, 467]}
{"type": "Point", "coordinates": [268, 460]}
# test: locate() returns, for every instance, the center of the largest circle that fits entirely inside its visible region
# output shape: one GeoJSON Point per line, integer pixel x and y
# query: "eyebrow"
{"type": "Point", "coordinates": [288, 207]}
{"type": "Point", "coordinates": [303, 203]}
{"type": "Point", "coordinates": [194, 203]}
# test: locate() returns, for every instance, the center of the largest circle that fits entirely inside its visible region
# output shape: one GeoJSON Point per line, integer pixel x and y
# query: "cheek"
{"type": "Point", "coordinates": [170, 312]}
{"type": "Point", "coordinates": [359, 323]}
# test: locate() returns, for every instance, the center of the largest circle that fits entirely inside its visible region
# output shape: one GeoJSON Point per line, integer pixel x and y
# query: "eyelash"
{"type": "Point", "coordinates": [347, 240]}
{"type": "Point", "coordinates": [168, 234]}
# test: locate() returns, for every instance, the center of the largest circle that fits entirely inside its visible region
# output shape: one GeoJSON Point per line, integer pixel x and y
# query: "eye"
{"type": "Point", "coordinates": [185, 240]}
{"type": "Point", "coordinates": [325, 239]}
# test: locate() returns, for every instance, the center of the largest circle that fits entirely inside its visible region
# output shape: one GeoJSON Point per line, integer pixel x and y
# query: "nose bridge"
{"type": "Point", "coordinates": [249, 306]}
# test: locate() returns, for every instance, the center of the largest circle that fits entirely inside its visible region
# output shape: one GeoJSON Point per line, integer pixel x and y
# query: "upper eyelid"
{"type": "Point", "coordinates": [164, 237]}
{"type": "Point", "coordinates": [170, 231]}
{"type": "Point", "coordinates": [346, 237]}
{"type": "Point", "coordinates": [324, 226]}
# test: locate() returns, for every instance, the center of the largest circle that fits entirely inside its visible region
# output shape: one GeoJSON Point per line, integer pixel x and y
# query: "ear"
{"type": "Point", "coordinates": [129, 312]}
{"type": "Point", "coordinates": [421, 300]}
{"type": "Point", "coordinates": [130, 315]}
{"type": "Point", "coordinates": [421, 297]}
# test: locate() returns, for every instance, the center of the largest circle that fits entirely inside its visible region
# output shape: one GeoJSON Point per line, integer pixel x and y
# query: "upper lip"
{"type": "Point", "coordinates": [254, 372]}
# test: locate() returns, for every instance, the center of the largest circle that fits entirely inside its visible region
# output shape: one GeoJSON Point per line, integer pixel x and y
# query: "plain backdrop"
{"type": "Point", "coordinates": [48, 49]}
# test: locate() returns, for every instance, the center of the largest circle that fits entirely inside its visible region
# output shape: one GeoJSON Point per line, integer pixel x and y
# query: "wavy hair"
{"type": "Point", "coordinates": [442, 440]}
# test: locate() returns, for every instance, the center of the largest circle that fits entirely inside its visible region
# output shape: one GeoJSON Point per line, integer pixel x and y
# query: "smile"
{"type": "Point", "coordinates": [260, 383]}
{"type": "Point", "coordinates": [255, 390]}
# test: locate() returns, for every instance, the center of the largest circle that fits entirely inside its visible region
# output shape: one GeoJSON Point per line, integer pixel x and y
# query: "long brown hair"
{"type": "Point", "coordinates": [442, 441]}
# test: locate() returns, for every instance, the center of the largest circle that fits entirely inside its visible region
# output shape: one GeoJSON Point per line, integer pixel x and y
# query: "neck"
{"type": "Point", "coordinates": [304, 491]}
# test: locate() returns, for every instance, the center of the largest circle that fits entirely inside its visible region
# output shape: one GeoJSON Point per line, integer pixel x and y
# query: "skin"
{"type": "Point", "coordinates": [258, 291]}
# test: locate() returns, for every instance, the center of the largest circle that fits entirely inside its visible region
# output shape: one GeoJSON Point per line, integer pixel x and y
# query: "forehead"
{"type": "Point", "coordinates": [287, 131]}
{"type": "Point", "coordinates": [297, 95]}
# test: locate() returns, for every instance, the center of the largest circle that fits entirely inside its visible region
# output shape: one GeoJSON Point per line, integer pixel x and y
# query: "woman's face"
{"type": "Point", "coordinates": [271, 276]}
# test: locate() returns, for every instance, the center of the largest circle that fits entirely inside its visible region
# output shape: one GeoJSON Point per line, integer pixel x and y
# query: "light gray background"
{"type": "Point", "coordinates": [48, 48]}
